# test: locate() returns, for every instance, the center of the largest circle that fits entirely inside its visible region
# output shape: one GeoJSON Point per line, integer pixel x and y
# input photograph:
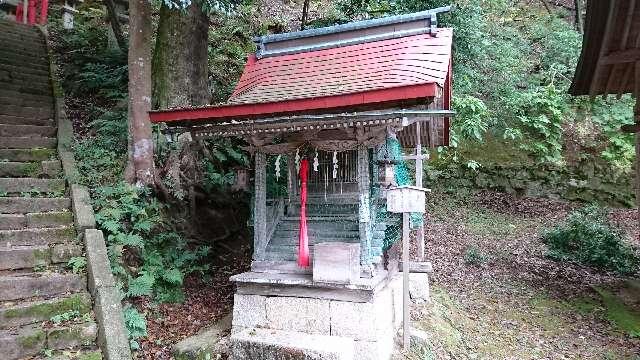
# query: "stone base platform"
{"type": "Point", "coordinates": [366, 315]}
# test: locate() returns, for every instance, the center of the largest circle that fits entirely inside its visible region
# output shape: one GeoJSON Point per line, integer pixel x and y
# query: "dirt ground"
{"type": "Point", "coordinates": [496, 296]}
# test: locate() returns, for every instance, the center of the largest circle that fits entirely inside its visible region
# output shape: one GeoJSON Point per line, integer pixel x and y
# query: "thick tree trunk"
{"type": "Point", "coordinates": [112, 11]}
{"type": "Point", "coordinates": [140, 168]}
{"type": "Point", "coordinates": [180, 59]}
{"type": "Point", "coordinates": [579, 19]}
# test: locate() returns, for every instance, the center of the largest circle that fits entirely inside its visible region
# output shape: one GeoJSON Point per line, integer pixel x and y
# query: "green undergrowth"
{"type": "Point", "coordinates": [621, 316]}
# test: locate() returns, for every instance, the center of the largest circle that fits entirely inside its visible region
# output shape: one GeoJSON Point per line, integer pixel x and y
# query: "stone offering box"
{"type": "Point", "coordinates": [406, 199]}
{"type": "Point", "coordinates": [336, 262]}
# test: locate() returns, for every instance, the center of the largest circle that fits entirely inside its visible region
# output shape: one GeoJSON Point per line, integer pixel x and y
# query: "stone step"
{"type": "Point", "coordinates": [27, 142]}
{"type": "Point", "coordinates": [316, 234]}
{"type": "Point", "coordinates": [22, 343]}
{"type": "Point", "coordinates": [320, 225]}
{"type": "Point", "coordinates": [32, 257]}
{"type": "Point", "coordinates": [6, 66]}
{"type": "Point", "coordinates": [24, 100]}
{"type": "Point", "coordinates": [36, 220]}
{"type": "Point", "coordinates": [34, 237]}
{"type": "Point", "coordinates": [25, 313]}
{"type": "Point", "coordinates": [22, 41]}
{"type": "Point", "coordinates": [5, 93]}
{"type": "Point", "coordinates": [23, 58]}
{"type": "Point", "coordinates": [32, 285]}
{"type": "Point", "coordinates": [267, 344]}
{"type": "Point", "coordinates": [48, 168]}
{"type": "Point", "coordinates": [32, 340]}
{"type": "Point", "coordinates": [291, 238]}
{"type": "Point", "coordinates": [18, 77]}
{"type": "Point", "coordinates": [41, 112]}
{"type": "Point", "coordinates": [31, 185]}
{"type": "Point", "coordinates": [24, 205]}
{"type": "Point", "coordinates": [21, 120]}
{"type": "Point", "coordinates": [27, 130]}
{"type": "Point", "coordinates": [29, 89]}
{"type": "Point", "coordinates": [21, 30]}
{"type": "Point", "coordinates": [26, 155]}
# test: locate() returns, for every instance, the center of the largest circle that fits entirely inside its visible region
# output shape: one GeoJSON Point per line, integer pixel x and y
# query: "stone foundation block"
{"type": "Point", "coordinates": [364, 321]}
{"type": "Point", "coordinates": [298, 314]}
{"type": "Point", "coordinates": [249, 311]}
{"type": "Point", "coordinates": [265, 344]}
{"type": "Point", "coordinates": [72, 336]}
{"type": "Point", "coordinates": [374, 350]}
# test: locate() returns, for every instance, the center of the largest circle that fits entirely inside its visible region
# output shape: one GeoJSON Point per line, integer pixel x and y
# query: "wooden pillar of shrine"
{"type": "Point", "coordinates": [364, 213]}
{"type": "Point", "coordinates": [260, 207]}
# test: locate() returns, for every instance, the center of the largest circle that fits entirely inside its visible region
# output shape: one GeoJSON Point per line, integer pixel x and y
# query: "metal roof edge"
{"type": "Point", "coordinates": [356, 25]}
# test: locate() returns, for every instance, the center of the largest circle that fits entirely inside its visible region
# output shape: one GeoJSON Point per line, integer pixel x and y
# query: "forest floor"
{"type": "Point", "coordinates": [494, 293]}
{"type": "Point", "coordinates": [496, 296]}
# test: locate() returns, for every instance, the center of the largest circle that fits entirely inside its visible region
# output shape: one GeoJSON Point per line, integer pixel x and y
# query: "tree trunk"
{"type": "Point", "coordinates": [180, 59]}
{"type": "Point", "coordinates": [579, 18]}
{"type": "Point", "coordinates": [140, 168]}
{"type": "Point", "coordinates": [112, 11]}
{"type": "Point", "coordinates": [305, 14]}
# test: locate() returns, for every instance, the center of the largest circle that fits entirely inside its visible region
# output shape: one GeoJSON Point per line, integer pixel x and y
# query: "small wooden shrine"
{"type": "Point", "coordinates": [326, 114]}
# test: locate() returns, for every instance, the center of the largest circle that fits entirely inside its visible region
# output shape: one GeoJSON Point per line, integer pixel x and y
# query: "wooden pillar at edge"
{"type": "Point", "coordinates": [420, 233]}
{"type": "Point", "coordinates": [636, 116]}
{"type": "Point", "coordinates": [260, 207]}
{"type": "Point", "coordinates": [364, 188]}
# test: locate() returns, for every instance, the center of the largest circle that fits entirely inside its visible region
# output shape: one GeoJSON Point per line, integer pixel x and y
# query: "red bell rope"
{"type": "Point", "coordinates": [303, 240]}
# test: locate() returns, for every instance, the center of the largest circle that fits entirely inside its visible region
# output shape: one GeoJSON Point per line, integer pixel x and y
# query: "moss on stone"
{"type": "Point", "coordinates": [32, 340]}
{"type": "Point", "coordinates": [47, 310]}
{"type": "Point", "coordinates": [30, 169]}
{"type": "Point", "coordinates": [41, 153]}
{"type": "Point", "coordinates": [96, 355]}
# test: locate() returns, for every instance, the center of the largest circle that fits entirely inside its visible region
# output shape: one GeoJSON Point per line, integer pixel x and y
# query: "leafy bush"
{"type": "Point", "coordinates": [135, 225]}
{"type": "Point", "coordinates": [136, 326]}
{"type": "Point", "coordinates": [474, 256]}
{"type": "Point", "coordinates": [588, 238]}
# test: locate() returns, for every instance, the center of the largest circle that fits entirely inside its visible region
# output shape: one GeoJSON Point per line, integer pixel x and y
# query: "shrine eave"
{"type": "Point", "coordinates": [389, 97]}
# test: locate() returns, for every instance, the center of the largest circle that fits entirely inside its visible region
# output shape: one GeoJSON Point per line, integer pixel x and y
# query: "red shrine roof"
{"type": "Point", "coordinates": [311, 75]}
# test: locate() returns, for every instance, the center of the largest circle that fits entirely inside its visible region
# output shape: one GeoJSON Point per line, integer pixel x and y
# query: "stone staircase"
{"type": "Point", "coordinates": [37, 235]}
{"type": "Point", "coordinates": [333, 219]}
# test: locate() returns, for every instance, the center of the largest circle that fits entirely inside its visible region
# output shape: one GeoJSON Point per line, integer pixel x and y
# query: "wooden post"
{"type": "Point", "coordinates": [636, 115]}
{"type": "Point", "coordinates": [25, 11]}
{"type": "Point", "coordinates": [420, 235]}
{"type": "Point", "coordinates": [364, 188]}
{"type": "Point", "coordinates": [260, 207]}
{"type": "Point", "coordinates": [406, 336]}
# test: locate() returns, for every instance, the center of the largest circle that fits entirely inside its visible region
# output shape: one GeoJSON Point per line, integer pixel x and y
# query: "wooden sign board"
{"type": "Point", "coordinates": [406, 199]}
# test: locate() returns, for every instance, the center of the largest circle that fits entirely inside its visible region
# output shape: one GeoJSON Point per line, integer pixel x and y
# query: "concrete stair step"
{"type": "Point", "coordinates": [21, 120]}
{"type": "Point", "coordinates": [32, 70]}
{"type": "Point", "coordinates": [26, 88]}
{"type": "Point", "coordinates": [291, 239]}
{"type": "Point", "coordinates": [16, 94]}
{"type": "Point", "coordinates": [40, 112]}
{"type": "Point", "coordinates": [24, 313]}
{"type": "Point", "coordinates": [27, 130]}
{"type": "Point", "coordinates": [36, 220]}
{"type": "Point", "coordinates": [18, 77]}
{"type": "Point", "coordinates": [20, 29]}
{"type": "Point", "coordinates": [32, 285]}
{"type": "Point", "coordinates": [27, 142]}
{"type": "Point", "coordinates": [38, 236]}
{"type": "Point", "coordinates": [30, 60]}
{"type": "Point", "coordinates": [316, 234]}
{"type": "Point", "coordinates": [24, 100]}
{"type": "Point", "coordinates": [30, 341]}
{"type": "Point", "coordinates": [31, 185]}
{"type": "Point", "coordinates": [23, 205]}
{"type": "Point", "coordinates": [26, 154]}
{"type": "Point", "coordinates": [32, 257]}
{"type": "Point", "coordinates": [48, 168]}
{"type": "Point", "coordinates": [22, 343]}
{"type": "Point", "coordinates": [320, 219]}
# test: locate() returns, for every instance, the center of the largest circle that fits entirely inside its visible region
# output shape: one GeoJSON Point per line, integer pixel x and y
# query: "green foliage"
{"type": "Point", "coordinates": [474, 256]}
{"type": "Point", "coordinates": [66, 316]}
{"type": "Point", "coordinates": [77, 264]}
{"type": "Point", "coordinates": [588, 238]}
{"type": "Point", "coordinates": [134, 223]}
{"type": "Point", "coordinates": [136, 325]}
